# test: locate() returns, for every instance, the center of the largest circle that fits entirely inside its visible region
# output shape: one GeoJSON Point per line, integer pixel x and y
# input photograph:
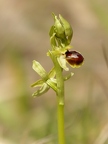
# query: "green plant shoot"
{"type": "Point", "coordinates": [60, 53]}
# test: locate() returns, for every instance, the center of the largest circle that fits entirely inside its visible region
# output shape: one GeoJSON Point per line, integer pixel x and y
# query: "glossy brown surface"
{"type": "Point", "coordinates": [74, 58]}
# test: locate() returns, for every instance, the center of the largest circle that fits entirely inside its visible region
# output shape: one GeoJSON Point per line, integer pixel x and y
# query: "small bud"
{"type": "Point", "coordinates": [62, 29]}
{"type": "Point", "coordinates": [67, 28]}
{"type": "Point", "coordinates": [58, 28]}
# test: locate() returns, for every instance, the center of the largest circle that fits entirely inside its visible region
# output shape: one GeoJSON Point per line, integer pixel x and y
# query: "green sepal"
{"type": "Point", "coordinates": [52, 84]}
{"type": "Point", "coordinates": [58, 28]}
{"type": "Point", "coordinates": [53, 41]}
{"type": "Point", "coordinates": [51, 32]}
{"type": "Point", "coordinates": [43, 89]}
{"type": "Point", "coordinates": [45, 85]}
{"type": "Point", "coordinates": [52, 37]}
{"type": "Point", "coordinates": [37, 83]}
{"type": "Point", "coordinates": [40, 70]}
{"type": "Point", "coordinates": [52, 81]}
{"type": "Point", "coordinates": [67, 28]}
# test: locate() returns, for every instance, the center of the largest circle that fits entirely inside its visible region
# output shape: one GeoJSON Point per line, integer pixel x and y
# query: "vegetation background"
{"type": "Point", "coordinates": [24, 27]}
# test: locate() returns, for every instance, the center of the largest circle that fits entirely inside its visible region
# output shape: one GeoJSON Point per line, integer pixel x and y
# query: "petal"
{"type": "Point", "coordinates": [74, 58]}
{"type": "Point", "coordinates": [62, 62]}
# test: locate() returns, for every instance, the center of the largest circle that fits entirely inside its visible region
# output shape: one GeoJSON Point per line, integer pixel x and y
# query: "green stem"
{"type": "Point", "coordinates": [60, 100]}
{"type": "Point", "coordinates": [61, 133]}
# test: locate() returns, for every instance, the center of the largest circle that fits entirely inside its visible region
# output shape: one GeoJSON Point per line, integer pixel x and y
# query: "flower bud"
{"type": "Point", "coordinates": [67, 28]}
{"type": "Point", "coordinates": [58, 28]}
{"type": "Point", "coordinates": [62, 29]}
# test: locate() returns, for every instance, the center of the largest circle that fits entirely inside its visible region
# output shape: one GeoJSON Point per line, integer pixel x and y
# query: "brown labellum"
{"type": "Point", "coordinates": [74, 58]}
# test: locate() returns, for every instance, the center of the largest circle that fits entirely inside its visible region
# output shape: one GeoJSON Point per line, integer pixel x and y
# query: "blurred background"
{"type": "Point", "coordinates": [24, 28]}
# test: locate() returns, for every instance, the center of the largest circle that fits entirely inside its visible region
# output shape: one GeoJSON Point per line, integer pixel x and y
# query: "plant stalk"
{"type": "Point", "coordinates": [60, 101]}
{"type": "Point", "coordinates": [61, 133]}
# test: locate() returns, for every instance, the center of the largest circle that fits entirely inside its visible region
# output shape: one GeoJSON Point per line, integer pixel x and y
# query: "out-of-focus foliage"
{"type": "Point", "coordinates": [24, 28]}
